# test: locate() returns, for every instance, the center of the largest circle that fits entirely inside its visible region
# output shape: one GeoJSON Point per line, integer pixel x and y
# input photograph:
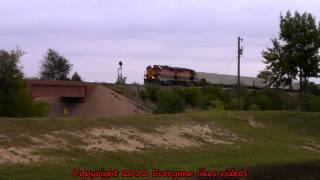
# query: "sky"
{"type": "Point", "coordinates": [94, 35]}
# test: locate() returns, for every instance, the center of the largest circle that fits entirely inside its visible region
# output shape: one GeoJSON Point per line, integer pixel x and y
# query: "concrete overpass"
{"type": "Point", "coordinates": [59, 89]}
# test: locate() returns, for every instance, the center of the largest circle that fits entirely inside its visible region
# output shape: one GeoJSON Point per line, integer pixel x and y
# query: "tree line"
{"type": "Point", "coordinates": [175, 99]}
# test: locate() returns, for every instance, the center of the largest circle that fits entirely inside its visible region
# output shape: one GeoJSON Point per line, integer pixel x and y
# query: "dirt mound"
{"type": "Point", "coordinates": [175, 137]}
{"type": "Point", "coordinates": [115, 139]}
{"type": "Point", "coordinates": [101, 102]}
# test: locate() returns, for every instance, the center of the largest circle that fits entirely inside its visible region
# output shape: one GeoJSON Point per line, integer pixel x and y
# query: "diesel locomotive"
{"type": "Point", "coordinates": [167, 75]}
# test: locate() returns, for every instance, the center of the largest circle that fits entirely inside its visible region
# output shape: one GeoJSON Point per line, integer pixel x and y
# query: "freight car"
{"type": "Point", "coordinates": [166, 75]}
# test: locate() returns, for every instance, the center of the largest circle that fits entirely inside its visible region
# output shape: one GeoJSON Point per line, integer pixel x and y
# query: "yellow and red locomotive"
{"type": "Point", "coordinates": [166, 75]}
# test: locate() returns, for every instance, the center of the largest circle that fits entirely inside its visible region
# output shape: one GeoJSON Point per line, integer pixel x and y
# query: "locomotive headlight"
{"type": "Point", "coordinates": [152, 77]}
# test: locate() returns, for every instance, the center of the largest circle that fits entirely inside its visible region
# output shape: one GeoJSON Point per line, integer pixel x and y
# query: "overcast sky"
{"type": "Point", "coordinates": [95, 34]}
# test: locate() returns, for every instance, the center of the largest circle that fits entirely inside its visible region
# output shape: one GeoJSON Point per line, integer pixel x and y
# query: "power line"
{"type": "Point", "coordinates": [225, 66]}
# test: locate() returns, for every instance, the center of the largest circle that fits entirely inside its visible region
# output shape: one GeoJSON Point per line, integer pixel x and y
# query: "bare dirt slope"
{"type": "Point", "coordinates": [116, 139]}
{"type": "Point", "coordinates": [101, 102]}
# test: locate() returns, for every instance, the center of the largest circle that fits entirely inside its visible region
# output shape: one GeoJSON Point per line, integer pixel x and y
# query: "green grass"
{"type": "Point", "coordinates": [278, 142]}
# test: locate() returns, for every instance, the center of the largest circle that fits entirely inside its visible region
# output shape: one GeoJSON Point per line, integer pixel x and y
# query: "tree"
{"type": "Point", "coordinates": [76, 77]}
{"type": "Point", "coordinates": [15, 100]}
{"type": "Point", "coordinates": [295, 54]}
{"type": "Point", "coordinates": [55, 67]}
{"type": "Point", "coordinates": [266, 76]}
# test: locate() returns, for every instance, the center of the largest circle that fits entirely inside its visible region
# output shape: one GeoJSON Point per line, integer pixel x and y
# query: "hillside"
{"type": "Point", "coordinates": [51, 148]}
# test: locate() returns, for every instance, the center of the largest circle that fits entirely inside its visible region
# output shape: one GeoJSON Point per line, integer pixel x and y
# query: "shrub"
{"type": "Point", "coordinates": [191, 95]}
{"type": "Point", "coordinates": [289, 102]}
{"type": "Point", "coordinates": [215, 91]}
{"type": "Point", "coordinates": [311, 102]}
{"type": "Point", "coordinates": [312, 88]}
{"type": "Point", "coordinates": [205, 100]}
{"type": "Point", "coordinates": [254, 107]}
{"type": "Point", "coordinates": [143, 95]}
{"type": "Point", "coordinates": [152, 91]}
{"type": "Point", "coordinates": [217, 104]}
{"type": "Point", "coordinates": [232, 104]}
{"type": "Point", "coordinates": [264, 102]}
{"type": "Point", "coordinates": [40, 108]}
{"type": "Point", "coordinates": [169, 101]}
{"type": "Point", "coordinates": [278, 98]}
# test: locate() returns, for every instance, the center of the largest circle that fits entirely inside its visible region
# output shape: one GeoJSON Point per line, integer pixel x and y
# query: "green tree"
{"type": "Point", "coordinates": [294, 54]}
{"type": "Point", "coordinates": [15, 100]}
{"type": "Point", "coordinates": [54, 66]}
{"type": "Point", "coordinates": [76, 77]}
{"type": "Point", "coordinates": [266, 76]}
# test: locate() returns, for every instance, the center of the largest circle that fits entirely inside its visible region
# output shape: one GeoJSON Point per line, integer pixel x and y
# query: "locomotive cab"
{"type": "Point", "coordinates": [166, 75]}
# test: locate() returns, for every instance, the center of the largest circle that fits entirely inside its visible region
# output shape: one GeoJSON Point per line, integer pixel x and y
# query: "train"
{"type": "Point", "coordinates": [167, 75]}
{"type": "Point", "coordinates": [171, 76]}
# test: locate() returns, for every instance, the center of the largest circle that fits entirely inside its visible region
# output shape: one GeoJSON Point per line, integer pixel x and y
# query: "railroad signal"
{"type": "Point", "coordinates": [120, 79]}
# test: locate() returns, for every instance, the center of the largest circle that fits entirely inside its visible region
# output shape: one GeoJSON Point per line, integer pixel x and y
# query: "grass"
{"type": "Point", "coordinates": [278, 142]}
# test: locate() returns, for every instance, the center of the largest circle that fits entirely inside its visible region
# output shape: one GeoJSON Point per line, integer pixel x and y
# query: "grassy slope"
{"type": "Point", "coordinates": [279, 141]}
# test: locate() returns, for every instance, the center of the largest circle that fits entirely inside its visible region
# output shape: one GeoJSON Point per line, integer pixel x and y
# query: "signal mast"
{"type": "Point", "coordinates": [120, 79]}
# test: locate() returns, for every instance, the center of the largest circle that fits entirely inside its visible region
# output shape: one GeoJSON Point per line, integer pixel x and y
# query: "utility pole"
{"type": "Point", "coordinates": [240, 51]}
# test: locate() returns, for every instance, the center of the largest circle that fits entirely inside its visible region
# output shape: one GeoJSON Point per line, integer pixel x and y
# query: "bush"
{"type": "Point", "coordinates": [40, 109]}
{"type": "Point", "coordinates": [264, 102]}
{"type": "Point", "coordinates": [254, 107]}
{"type": "Point", "coordinates": [205, 101]}
{"type": "Point", "coordinates": [312, 88]}
{"type": "Point", "coordinates": [217, 104]}
{"type": "Point", "coordinates": [278, 98]}
{"type": "Point", "coordinates": [232, 104]}
{"type": "Point", "coordinates": [18, 103]}
{"type": "Point", "coordinates": [213, 91]}
{"type": "Point", "coordinates": [209, 96]}
{"type": "Point", "coordinates": [231, 98]}
{"type": "Point", "coordinates": [169, 101]}
{"type": "Point", "coordinates": [191, 95]}
{"type": "Point", "coordinates": [311, 102]}
{"type": "Point", "coordinates": [151, 92]}
{"type": "Point", "coordinates": [289, 102]}
{"type": "Point", "coordinates": [143, 95]}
